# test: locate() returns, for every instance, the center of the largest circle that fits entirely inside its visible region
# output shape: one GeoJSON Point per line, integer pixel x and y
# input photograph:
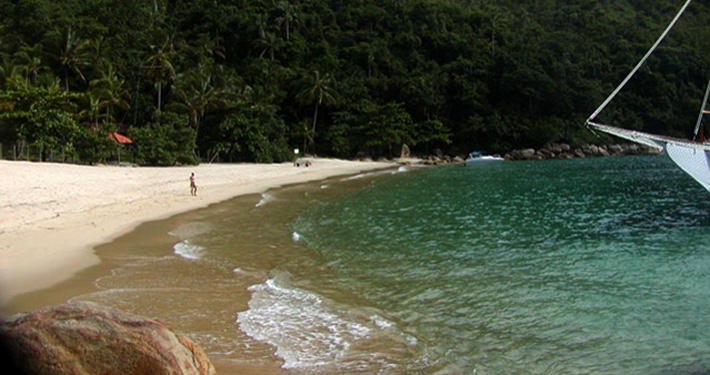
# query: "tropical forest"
{"type": "Point", "coordinates": [252, 80]}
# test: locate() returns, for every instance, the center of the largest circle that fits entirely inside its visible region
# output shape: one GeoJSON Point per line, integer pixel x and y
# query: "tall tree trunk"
{"type": "Point", "coordinates": [315, 118]}
{"type": "Point", "coordinates": [313, 128]}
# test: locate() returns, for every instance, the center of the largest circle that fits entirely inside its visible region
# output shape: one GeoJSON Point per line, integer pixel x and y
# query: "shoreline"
{"type": "Point", "coordinates": [55, 214]}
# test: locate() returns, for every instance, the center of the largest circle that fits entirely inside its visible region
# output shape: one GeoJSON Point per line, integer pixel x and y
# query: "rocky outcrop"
{"type": "Point", "coordinates": [552, 151]}
{"type": "Point", "coordinates": [564, 151]}
{"type": "Point", "coordinates": [87, 338]}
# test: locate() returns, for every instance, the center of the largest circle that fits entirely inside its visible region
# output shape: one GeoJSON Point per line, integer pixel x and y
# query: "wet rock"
{"type": "Point", "coordinates": [603, 151]}
{"type": "Point", "coordinates": [527, 153]}
{"type": "Point", "coordinates": [591, 150]}
{"type": "Point", "coordinates": [87, 338]}
{"type": "Point", "coordinates": [615, 149]}
{"type": "Point", "coordinates": [548, 153]}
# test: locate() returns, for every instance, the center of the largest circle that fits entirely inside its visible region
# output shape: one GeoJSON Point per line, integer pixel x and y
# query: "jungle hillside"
{"type": "Point", "coordinates": [252, 80]}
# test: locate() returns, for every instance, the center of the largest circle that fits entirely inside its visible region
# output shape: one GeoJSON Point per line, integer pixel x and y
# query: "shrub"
{"type": "Point", "coordinates": [168, 140]}
{"type": "Point", "coordinates": [94, 147]}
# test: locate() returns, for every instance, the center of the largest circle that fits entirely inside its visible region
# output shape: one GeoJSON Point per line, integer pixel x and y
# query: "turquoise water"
{"type": "Point", "coordinates": [598, 266]}
{"type": "Point", "coordinates": [585, 266]}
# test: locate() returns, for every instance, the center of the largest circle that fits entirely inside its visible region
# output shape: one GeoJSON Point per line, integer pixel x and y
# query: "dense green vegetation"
{"type": "Point", "coordinates": [254, 79]}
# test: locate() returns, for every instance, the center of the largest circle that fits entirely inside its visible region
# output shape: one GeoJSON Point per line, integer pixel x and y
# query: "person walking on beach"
{"type": "Point", "coordinates": [193, 186]}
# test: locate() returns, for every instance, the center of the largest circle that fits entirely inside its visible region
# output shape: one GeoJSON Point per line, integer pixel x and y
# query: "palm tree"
{"type": "Point", "coordinates": [319, 91]}
{"type": "Point", "coordinates": [91, 111]}
{"type": "Point", "coordinates": [7, 70]}
{"type": "Point", "coordinates": [206, 46]}
{"type": "Point", "coordinates": [372, 52]}
{"type": "Point", "coordinates": [111, 90]}
{"type": "Point", "coordinates": [97, 52]}
{"type": "Point", "coordinates": [288, 16]}
{"type": "Point", "coordinates": [30, 63]}
{"type": "Point", "coordinates": [269, 42]}
{"type": "Point", "coordinates": [159, 66]}
{"type": "Point", "coordinates": [260, 99]}
{"type": "Point", "coordinates": [201, 90]}
{"type": "Point", "coordinates": [73, 53]}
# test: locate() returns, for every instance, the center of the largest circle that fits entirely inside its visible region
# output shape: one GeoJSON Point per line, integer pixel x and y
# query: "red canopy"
{"type": "Point", "coordinates": [119, 138]}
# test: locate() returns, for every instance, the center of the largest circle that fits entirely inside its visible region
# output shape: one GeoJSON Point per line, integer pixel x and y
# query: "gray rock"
{"type": "Point", "coordinates": [615, 149]}
{"type": "Point", "coordinates": [527, 153]}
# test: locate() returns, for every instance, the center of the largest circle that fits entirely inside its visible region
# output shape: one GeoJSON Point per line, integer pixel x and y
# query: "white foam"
{"type": "Point", "coordinates": [306, 330]}
{"type": "Point", "coordinates": [265, 198]}
{"type": "Point", "coordinates": [361, 175]}
{"type": "Point", "coordinates": [353, 177]}
{"type": "Point", "coordinates": [188, 251]}
{"type": "Point", "coordinates": [402, 169]}
{"type": "Point", "coordinates": [381, 322]}
{"type": "Point", "coordinates": [190, 230]}
{"type": "Point", "coordinates": [248, 272]}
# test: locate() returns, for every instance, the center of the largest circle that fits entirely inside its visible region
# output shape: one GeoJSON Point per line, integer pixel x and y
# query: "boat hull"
{"type": "Point", "coordinates": [482, 160]}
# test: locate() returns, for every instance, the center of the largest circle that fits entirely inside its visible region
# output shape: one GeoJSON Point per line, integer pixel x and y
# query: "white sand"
{"type": "Point", "coordinates": [52, 215]}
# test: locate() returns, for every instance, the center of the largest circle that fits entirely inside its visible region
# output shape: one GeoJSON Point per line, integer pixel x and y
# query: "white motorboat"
{"type": "Point", "coordinates": [479, 157]}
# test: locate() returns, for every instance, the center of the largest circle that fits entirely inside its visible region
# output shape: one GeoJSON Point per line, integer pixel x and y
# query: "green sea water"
{"type": "Point", "coordinates": [585, 266]}
{"type": "Point", "coordinates": [597, 266]}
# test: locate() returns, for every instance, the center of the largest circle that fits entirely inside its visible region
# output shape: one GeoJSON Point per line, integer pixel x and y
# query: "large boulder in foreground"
{"type": "Point", "coordinates": [87, 338]}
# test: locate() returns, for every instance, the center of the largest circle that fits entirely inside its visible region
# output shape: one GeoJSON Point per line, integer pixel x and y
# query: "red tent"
{"type": "Point", "coordinates": [119, 138]}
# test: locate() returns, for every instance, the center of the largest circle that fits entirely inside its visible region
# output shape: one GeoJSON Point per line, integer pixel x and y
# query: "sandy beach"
{"type": "Point", "coordinates": [54, 214]}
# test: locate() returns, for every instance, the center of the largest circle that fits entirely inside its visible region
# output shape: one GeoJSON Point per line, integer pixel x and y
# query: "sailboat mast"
{"type": "Point", "coordinates": [699, 133]}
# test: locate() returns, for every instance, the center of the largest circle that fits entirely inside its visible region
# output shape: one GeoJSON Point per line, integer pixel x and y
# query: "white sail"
{"type": "Point", "coordinates": [693, 160]}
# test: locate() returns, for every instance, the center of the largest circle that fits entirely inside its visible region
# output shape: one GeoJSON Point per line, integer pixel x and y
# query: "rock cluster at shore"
{"type": "Point", "coordinates": [87, 338]}
{"type": "Point", "coordinates": [565, 151]}
{"type": "Point", "coordinates": [554, 151]}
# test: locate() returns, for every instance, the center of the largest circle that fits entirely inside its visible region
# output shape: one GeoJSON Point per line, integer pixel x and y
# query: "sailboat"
{"type": "Point", "coordinates": [692, 156]}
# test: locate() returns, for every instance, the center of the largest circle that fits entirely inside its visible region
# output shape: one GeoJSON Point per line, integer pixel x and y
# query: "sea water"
{"type": "Point", "coordinates": [587, 266]}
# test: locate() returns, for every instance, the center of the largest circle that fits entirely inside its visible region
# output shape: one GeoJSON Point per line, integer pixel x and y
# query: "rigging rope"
{"type": "Point", "coordinates": [643, 60]}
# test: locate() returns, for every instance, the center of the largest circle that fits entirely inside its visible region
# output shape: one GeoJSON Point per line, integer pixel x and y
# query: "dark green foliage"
{"type": "Point", "coordinates": [257, 78]}
{"type": "Point", "coordinates": [382, 129]}
{"type": "Point", "coordinates": [39, 115]}
{"type": "Point", "coordinates": [168, 140]}
{"type": "Point", "coordinates": [94, 146]}
{"type": "Point", "coordinates": [243, 139]}
{"type": "Point", "coordinates": [245, 136]}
